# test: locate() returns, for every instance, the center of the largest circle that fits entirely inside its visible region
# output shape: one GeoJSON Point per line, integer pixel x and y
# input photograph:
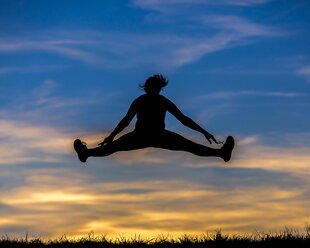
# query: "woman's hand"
{"type": "Point", "coordinates": [107, 140]}
{"type": "Point", "coordinates": [210, 138]}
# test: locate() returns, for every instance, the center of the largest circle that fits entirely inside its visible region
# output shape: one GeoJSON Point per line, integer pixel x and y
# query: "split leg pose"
{"type": "Point", "coordinates": [150, 131]}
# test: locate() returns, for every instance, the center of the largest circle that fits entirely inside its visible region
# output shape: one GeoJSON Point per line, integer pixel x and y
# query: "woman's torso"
{"type": "Point", "coordinates": [151, 112]}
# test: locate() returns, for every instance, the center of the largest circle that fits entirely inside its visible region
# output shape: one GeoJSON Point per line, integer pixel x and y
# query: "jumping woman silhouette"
{"type": "Point", "coordinates": [150, 131]}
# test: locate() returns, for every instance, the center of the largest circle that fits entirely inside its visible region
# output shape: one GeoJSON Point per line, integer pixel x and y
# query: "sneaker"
{"type": "Point", "coordinates": [81, 150]}
{"type": "Point", "coordinates": [227, 148]}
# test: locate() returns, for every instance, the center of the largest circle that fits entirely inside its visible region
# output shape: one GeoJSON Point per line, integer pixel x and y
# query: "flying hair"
{"type": "Point", "coordinates": [157, 81]}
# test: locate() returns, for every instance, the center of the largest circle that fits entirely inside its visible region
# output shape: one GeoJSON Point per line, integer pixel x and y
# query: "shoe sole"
{"type": "Point", "coordinates": [229, 146]}
{"type": "Point", "coordinates": [79, 147]}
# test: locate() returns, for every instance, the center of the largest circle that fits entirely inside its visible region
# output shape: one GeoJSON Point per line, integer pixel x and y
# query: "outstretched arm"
{"type": "Point", "coordinates": [186, 121]}
{"type": "Point", "coordinates": [122, 124]}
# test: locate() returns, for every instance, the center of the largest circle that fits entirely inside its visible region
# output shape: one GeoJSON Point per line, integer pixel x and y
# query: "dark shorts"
{"type": "Point", "coordinates": [160, 138]}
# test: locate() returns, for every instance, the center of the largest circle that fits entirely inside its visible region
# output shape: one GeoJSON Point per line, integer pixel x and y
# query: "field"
{"type": "Point", "coordinates": [287, 238]}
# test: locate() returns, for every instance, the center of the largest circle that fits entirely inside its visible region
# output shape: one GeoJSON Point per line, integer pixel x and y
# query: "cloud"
{"type": "Point", "coordinates": [28, 69]}
{"type": "Point", "coordinates": [224, 31]}
{"type": "Point", "coordinates": [304, 71]}
{"type": "Point", "coordinates": [31, 128]}
{"type": "Point", "coordinates": [201, 34]}
{"type": "Point", "coordinates": [231, 94]}
{"type": "Point", "coordinates": [26, 140]}
{"type": "Point", "coordinates": [297, 65]}
{"type": "Point", "coordinates": [45, 96]}
{"type": "Point", "coordinates": [240, 25]}
{"type": "Point", "coordinates": [76, 204]}
{"type": "Point", "coordinates": [246, 2]}
{"type": "Point", "coordinates": [77, 54]}
{"type": "Point", "coordinates": [50, 45]}
{"type": "Point", "coordinates": [233, 31]}
{"type": "Point", "coordinates": [245, 71]}
{"type": "Point", "coordinates": [161, 4]}
{"type": "Point", "coordinates": [253, 139]}
{"type": "Point", "coordinates": [22, 143]}
{"type": "Point", "coordinates": [198, 195]}
{"type": "Point", "coordinates": [45, 105]}
{"type": "Point", "coordinates": [295, 161]}
{"type": "Point", "coordinates": [27, 134]}
{"type": "Point", "coordinates": [251, 152]}
{"type": "Point", "coordinates": [110, 49]}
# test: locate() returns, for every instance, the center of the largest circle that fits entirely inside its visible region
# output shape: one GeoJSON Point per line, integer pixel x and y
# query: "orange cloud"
{"type": "Point", "coordinates": [51, 202]}
{"type": "Point", "coordinates": [76, 207]}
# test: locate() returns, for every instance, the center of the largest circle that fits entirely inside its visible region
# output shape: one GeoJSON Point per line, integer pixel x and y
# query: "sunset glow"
{"type": "Point", "coordinates": [70, 69]}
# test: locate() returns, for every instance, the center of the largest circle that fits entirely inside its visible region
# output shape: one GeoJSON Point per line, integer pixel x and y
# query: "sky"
{"type": "Point", "coordinates": [70, 69]}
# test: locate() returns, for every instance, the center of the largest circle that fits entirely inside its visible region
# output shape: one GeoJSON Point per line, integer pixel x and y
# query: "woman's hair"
{"type": "Point", "coordinates": [154, 83]}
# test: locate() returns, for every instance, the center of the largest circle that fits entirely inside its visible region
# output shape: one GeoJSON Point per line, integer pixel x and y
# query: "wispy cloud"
{"type": "Point", "coordinates": [165, 50]}
{"type": "Point", "coordinates": [160, 4]}
{"type": "Point", "coordinates": [30, 130]}
{"type": "Point", "coordinates": [252, 152]}
{"type": "Point", "coordinates": [246, 2]}
{"type": "Point", "coordinates": [129, 50]}
{"type": "Point", "coordinates": [50, 45]}
{"type": "Point", "coordinates": [45, 105]}
{"type": "Point", "coordinates": [22, 143]}
{"type": "Point", "coordinates": [29, 69]}
{"type": "Point", "coordinates": [246, 71]}
{"type": "Point", "coordinates": [240, 25]}
{"type": "Point", "coordinates": [230, 30]}
{"type": "Point", "coordinates": [233, 31]}
{"type": "Point", "coordinates": [230, 94]}
{"type": "Point", "coordinates": [304, 71]}
{"type": "Point", "coordinates": [46, 97]}
{"type": "Point", "coordinates": [297, 65]}
{"type": "Point", "coordinates": [295, 161]}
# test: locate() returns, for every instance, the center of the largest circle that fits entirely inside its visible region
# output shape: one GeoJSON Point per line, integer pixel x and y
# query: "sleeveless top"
{"type": "Point", "coordinates": [151, 112]}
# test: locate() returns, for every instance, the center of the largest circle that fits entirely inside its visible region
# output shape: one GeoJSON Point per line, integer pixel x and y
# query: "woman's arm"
{"type": "Point", "coordinates": [186, 121]}
{"type": "Point", "coordinates": [122, 124]}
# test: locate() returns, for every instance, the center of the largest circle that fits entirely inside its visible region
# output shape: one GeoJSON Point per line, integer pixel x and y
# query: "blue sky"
{"type": "Point", "coordinates": [70, 69]}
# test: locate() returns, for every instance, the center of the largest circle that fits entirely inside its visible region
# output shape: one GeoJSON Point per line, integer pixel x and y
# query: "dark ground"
{"type": "Point", "coordinates": [259, 240]}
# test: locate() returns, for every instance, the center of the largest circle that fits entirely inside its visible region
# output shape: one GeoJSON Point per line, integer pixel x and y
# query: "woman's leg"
{"type": "Point", "coordinates": [173, 141]}
{"type": "Point", "coordinates": [129, 141]}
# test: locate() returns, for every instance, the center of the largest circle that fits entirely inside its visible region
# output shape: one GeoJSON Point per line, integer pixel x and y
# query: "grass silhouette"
{"type": "Point", "coordinates": [287, 238]}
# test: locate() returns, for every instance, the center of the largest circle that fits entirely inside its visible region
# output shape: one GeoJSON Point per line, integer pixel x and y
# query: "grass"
{"type": "Point", "coordinates": [287, 238]}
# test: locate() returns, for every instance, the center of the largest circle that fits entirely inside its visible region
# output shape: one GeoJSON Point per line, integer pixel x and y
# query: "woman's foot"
{"type": "Point", "coordinates": [227, 148]}
{"type": "Point", "coordinates": [81, 150]}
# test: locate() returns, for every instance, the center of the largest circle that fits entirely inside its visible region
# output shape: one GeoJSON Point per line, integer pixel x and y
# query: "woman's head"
{"type": "Point", "coordinates": [154, 84]}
